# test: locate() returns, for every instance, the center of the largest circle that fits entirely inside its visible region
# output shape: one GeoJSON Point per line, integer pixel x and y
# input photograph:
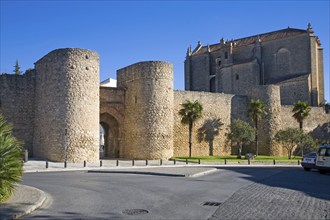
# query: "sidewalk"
{"type": "Point", "coordinates": [26, 199]}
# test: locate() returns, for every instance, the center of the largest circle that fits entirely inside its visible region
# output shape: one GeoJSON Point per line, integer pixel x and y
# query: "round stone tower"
{"type": "Point", "coordinates": [148, 123]}
{"type": "Point", "coordinates": [67, 106]}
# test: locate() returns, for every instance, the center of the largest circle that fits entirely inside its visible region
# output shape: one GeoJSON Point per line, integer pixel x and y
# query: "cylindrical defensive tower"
{"type": "Point", "coordinates": [67, 106]}
{"type": "Point", "coordinates": [148, 123]}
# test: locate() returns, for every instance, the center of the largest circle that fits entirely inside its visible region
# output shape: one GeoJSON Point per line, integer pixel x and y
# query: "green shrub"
{"type": "Point", "coordinates": [11, 152]}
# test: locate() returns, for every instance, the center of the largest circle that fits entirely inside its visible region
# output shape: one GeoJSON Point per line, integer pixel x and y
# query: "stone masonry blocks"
{"type": "Point", "coordinates": [148, 124]}
{"type": "Point", "coordinates": [67, 106]}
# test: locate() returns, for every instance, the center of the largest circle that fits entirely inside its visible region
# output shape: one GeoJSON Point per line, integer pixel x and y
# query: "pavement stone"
{"type": "Point", "coordinates": [249, 203]}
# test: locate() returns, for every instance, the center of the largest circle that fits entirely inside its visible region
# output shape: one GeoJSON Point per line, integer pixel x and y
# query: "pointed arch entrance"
{"type": "Point", "coordinates": [110, 136]}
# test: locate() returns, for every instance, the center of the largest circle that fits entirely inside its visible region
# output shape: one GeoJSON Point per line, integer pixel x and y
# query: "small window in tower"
{"type": "Point", "coordinates": [226, 55]}
{"type": "Point", "coordinates": [237, 77]}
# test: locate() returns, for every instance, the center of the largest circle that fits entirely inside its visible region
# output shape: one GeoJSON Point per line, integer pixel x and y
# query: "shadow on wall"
{"type": "Point", "coordinates": [209, 131]}
{"type": "Point", "coordinates": [321, 133]}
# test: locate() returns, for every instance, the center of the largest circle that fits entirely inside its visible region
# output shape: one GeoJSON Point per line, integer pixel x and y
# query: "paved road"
{"type": "Point", "coordinates": [242, 192]}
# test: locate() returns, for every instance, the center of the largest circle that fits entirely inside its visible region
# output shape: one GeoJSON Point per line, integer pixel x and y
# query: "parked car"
{"type": "Point", "coordinates": [323, 158]}
{"type": "Point", "coordinates": [309, 161]}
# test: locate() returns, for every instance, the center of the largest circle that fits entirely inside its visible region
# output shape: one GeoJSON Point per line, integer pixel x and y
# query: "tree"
{"type": "Point", "coordinates": [301, 111]}
{"type": "Point", "coordinates": [11, 152]}
{"type": "Point", "coordinates": [256, 109]}
{"type": "Point", "coordinates": [17, 69]}
{"type": "Point", "coordinates": [190, 113]}
{"type": "Point", "coordinates": [241, 133]}
{"type": "Point", "coordinates": [291, 138]}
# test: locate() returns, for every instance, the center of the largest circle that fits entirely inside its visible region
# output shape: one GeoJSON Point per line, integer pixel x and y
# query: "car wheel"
{"type": "Point", "coordinates": [307, 169]}
{"type": "Point", "coordinates": [321, 171]}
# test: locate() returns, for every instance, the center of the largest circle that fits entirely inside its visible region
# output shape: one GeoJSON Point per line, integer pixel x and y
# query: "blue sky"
{"type": "Point", "coordinates": [126, 32]}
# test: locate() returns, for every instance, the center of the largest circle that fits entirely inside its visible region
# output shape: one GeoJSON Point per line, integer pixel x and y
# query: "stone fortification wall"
{"type": "Point", "coordinates": [317, 123]}
{"type": "Point", "coordinates": [148, 123]}
{"type": "Point", "coordinates": [268, 127]}
{"type": "Point", "coordinates": [209, 132]}
{"type": "Point", "coordinates": [17, 105]}
{"type": "Point", "coordinates": [67, 106]}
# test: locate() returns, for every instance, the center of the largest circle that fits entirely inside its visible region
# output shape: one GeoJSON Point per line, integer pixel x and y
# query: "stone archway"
{"type": "Point", "coordinates": [111, 135]}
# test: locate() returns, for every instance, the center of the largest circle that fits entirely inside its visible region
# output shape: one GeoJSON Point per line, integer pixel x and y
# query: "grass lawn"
{"type": "Point", "coordinates": [233, 158]}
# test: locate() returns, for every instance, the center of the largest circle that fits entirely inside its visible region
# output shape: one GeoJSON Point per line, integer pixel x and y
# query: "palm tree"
{"type": "Point", "coordinates": [10, 160]}
{"type": "Point", "coordinates": [190, 112]}
{"type": "Point", "coordinates": [256, 109]}
{"type": "Point", "coordinates": [301, 111]}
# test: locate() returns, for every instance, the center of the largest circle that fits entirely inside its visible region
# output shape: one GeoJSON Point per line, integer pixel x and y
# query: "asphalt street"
{"type": "Point", "coordinates": [235, 192]}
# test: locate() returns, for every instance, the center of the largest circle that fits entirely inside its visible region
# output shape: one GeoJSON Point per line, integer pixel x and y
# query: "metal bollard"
{"type": "Point", "coordinates": [274, 162]}
{"type": "Point", "coordinates": [199, 161]}
{"type": "Point", "coordinates": [225, 161]}
{"type": "Point", "coordinates": [186, 161]}
{"type": "Point", "coordinates": [174, 161]}
{"type": "Point", "coordinates": [84, 163]}
{"type": "Point", "coordinates": [132, 162]}
{"type": "Point", "coordinates": [146, 162]}
{"type": "Point", "coordinates": [100, 163]}
{"type": "Point", "coordinates": [298, 162]}
{"type": "Point", "coordinates": [26, 156]}
{"type": "Point", "coordinates": [65, 164]}
{"type": "Point", "coordinates": [161, 162]}
{"type": "Point", "coordinates": [249, 161]}
{"type": "Point", "coordinates": [46, 164]}
{"type": "Point", "coordinates": [117, 163]}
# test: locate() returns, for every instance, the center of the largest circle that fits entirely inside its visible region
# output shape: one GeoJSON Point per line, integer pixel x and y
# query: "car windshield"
{"type": "Point", "coordinates": [311, 154]}
{"type": "Point", "coordinates": [324, 152]}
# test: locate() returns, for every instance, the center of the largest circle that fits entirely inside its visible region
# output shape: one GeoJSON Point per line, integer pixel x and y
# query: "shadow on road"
{"type": "Point", "coordinates": [311, 183]}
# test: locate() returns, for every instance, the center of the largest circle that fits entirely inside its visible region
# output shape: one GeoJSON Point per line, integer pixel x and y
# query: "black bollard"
{"type": "Point", "coordinates": [65, 164]}
{"type": "Point", "coordinates": [84, 163]}
{"type": "Point", "coordinates": [100, 163]}
{"type": "Point", "coordinates": [186, 161]}
{"type": "Point", "coordinates": [117, 163]}
{"type": "Point", "coordinates": [199, 161]}
{"type": "Point", "coordinates": [132, 162]}
{"type": "Point", "coordinates": [46, 164]}
{"type": "Point", "coordinates": [160, 162]}
{"type": "Point", "coordinates": [146, 162]}
{"type": "Point", "coordinates": [174, 161]}
{"type": "Point", "coordinates": [225, 161]}
{"type": "Point", "coordinates": [274, 162]}
{"type": "Point", "coordinates": [298, 162]}
{"type": "Point", "coordinates": [249, 162]}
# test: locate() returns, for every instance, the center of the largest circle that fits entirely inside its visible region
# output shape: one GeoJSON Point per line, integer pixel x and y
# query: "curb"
{"type": "Point", "coordinates": [26, 209]}
{"type": "Point", "coordinates": [202, 173]}
{"type": "Point", "coordinates": [137, 172]}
